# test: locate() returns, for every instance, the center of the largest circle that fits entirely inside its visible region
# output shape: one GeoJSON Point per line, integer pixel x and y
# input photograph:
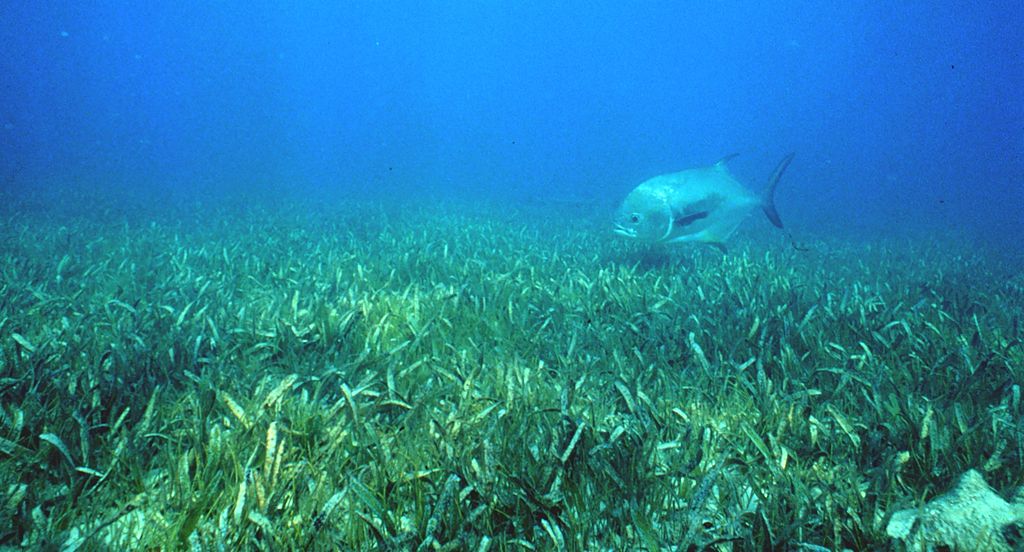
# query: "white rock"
{"type": "Point", "coordinates": [969, 517]}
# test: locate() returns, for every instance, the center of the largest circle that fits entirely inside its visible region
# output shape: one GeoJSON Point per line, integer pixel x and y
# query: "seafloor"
{"type": "Point", "coordinates": [486, 376]}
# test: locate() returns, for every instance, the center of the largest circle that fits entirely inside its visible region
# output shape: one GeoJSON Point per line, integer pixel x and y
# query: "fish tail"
{"type": "Point", "coordinates": [768, 200]}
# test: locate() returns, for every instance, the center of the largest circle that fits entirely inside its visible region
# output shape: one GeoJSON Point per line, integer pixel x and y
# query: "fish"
{"type": "Point", "coordinates": [704, 205]}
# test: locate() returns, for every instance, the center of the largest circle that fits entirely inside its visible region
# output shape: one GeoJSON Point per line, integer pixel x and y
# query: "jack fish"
{"type": "Point", "coordinates": [700, 205]}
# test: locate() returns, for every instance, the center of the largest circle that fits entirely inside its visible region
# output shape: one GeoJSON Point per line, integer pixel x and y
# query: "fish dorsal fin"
{"type": "Point", "coordinates": [721, 163]}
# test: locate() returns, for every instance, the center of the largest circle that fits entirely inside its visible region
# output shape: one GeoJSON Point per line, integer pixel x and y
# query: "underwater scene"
{"type": "Point", "coordinates": [500, 275]}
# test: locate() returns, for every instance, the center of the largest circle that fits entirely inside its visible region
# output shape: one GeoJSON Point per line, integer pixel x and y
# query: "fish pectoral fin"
{"type": "Point", "coordinates": [686, 220]}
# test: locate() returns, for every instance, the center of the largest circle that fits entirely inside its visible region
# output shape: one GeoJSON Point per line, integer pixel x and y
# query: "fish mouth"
{"type": "Point", "coordinates": [623, 231]}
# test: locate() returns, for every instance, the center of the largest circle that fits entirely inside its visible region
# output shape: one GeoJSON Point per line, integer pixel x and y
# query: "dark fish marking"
{"type": "Point", "coordinates": [690, 219]}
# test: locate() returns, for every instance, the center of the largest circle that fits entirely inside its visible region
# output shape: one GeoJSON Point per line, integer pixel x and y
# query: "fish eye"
{"type": "Point", "coordinates": [634, 218]}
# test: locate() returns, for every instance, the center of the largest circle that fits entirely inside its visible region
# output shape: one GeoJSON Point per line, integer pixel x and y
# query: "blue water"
{"type": "Point", "coordinates": [905, 117]}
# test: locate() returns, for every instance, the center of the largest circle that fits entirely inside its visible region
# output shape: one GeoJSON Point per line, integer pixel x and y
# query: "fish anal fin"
{"type": "Point", "coordinates": [719, 246]}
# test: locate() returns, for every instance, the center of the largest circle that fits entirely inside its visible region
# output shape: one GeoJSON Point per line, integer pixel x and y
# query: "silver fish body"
{"type": "Point", "coordinates": [704, 204]}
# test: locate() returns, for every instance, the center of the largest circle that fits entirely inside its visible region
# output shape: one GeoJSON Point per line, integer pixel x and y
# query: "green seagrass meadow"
{"type": "Point", "coordinates": [476, 376]}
